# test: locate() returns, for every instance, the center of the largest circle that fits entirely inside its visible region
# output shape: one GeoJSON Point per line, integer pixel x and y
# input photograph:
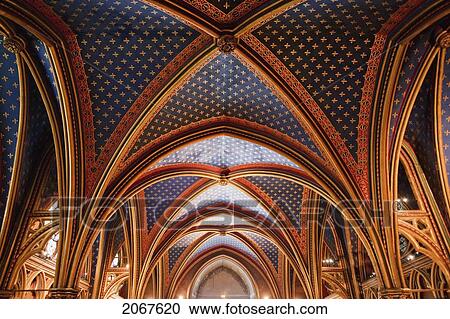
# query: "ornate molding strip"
{"type": "Point", "coordinates": [369, 87]}
{"type": "Point", "coordinates": [225, 18]}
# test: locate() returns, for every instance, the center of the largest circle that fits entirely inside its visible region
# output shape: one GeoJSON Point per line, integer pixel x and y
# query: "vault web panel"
{"type": "Point", "coordinates": [224, 152]}
{"type": "Point", "coordinates": [161, 195]}
{"type": "Point", "coordinates": [124, 45]}
{"type": "Point", "coordinates": [226, 240]}
{"type": "Point", "coordinates": [268, 247]}
{"type": "Point", "coordinates": [9, 119]}
{"type": "Point", "coordinates": [215, 195]}
{"type": "Point", "coordinates": [180, 246]}
{"type": "Point", "coordinates": [326, 45]}
{"type": "Point", "coordinates": [286, 194]}
{"type": "Point", "coordinates": [224, 87]}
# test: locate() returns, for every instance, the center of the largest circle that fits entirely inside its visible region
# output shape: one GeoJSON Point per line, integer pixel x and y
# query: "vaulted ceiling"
{"type": "Point", "coordinates": [326, 54]}
{"type": "Point", "coordinates": [272, 101]}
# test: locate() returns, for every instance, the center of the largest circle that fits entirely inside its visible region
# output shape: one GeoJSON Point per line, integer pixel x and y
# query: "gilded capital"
{"type": "Point", "coordinates": [13, 44]}
{"type": "Point", "coordinates": [443, 40]}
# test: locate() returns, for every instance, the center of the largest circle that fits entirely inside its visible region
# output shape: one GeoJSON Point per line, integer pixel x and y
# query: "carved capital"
{"type": "Point", "coordinates": [443, 40]}
{"type": "Point", "coordinates": [13, 44]}
{"type": "Point", "coordinates": [395, 293]}
{"type": "Point", "coordinates": [63, 293]}
{"type": "Point", "coordinates": [227, 43]}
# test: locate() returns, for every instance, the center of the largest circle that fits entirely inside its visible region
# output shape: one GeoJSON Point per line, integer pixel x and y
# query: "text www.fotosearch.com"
{"type": "Point", "coordinates": [240, 309]}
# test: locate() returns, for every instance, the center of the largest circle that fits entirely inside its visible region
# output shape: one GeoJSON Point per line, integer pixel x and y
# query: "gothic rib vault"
{"type": "Point", "coordinates": [298, 149]}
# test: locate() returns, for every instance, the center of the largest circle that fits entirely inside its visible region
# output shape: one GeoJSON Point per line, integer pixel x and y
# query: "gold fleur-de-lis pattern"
{"type": "Point", "coordinates": [285, 194]}
{"type": "Point", "coordinates": [326, 45]}
{"type": "Point", "coordinates": [9, 119]}
{"type": "Point", "coordinates": [412, 62]}
{"type": "Point", "coordinates": [124, 46]}
{"type": "Point", "coordinates": [224, 87]}
{"type": "Point", "coordinates": [180, 246]}
{"type": "Point", "coordinates": [445, 109]}
{"type": "Point", "coordinates": [227, 241]}
{"type": "Point", "coordinates": [268, 247]}
{"type": "Point", "coordinates": [161, 195]}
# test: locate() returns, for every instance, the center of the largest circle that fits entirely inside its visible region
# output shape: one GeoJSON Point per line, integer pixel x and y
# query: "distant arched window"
{"type": "Point", "coordinates": [50, 250]}
{"type": "Point", "coordinates": [116, 261]}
